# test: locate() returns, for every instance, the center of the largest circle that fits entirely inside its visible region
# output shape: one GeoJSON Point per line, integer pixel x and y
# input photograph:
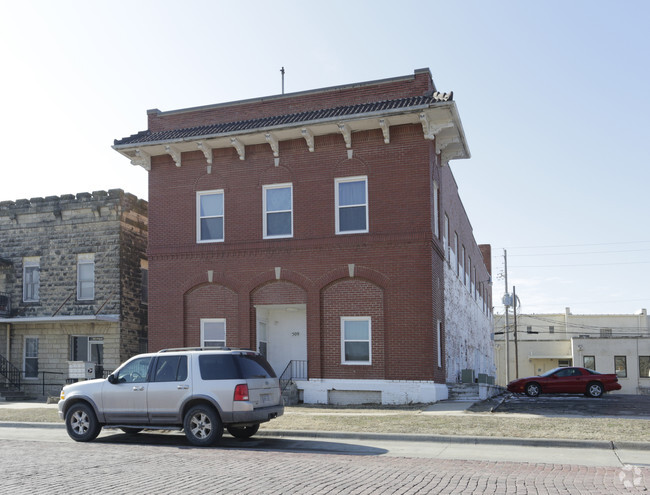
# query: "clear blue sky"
{"type": "Point", "coordinates": [554, 98]}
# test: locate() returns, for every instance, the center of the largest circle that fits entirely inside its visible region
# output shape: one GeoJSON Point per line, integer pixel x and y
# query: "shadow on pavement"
{"type": "Point", "coordinates": [177, 439]}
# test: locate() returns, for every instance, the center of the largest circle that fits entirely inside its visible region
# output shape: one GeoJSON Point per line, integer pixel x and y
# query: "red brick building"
{"type": "Point", "coordinates": [320, 228]}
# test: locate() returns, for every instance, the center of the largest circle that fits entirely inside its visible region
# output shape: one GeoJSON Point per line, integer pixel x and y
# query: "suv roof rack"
{"type": "Point", "coordinates": [215, 348]}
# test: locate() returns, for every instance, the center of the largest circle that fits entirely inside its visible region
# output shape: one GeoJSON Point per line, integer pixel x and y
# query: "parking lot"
{"type": "Point", "coordinates": [618, 405]}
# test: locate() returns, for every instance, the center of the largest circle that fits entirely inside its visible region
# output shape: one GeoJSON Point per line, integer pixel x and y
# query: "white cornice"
{"type": "Point", "coordinates": [439, 121]}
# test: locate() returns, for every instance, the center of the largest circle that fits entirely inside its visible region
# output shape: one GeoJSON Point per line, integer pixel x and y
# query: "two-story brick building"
{"type": "Point", "coordinates": [321, 228]}
{"type": "Point", "coordinates": [72, 273]}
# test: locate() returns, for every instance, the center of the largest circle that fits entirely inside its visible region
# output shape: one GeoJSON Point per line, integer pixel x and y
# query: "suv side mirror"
{"type": "Point", "coordinates": [111, 379]}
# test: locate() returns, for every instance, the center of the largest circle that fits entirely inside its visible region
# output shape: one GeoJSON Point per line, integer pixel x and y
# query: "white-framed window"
{"type": "Point", "coordinates": [144, 281]}
{"type": "Point", "coordinates": [351, 195]}
{"type": "Point", "coordinates": [31, 357]}
{"type": "Point", "coordinates": [356, 340]}
{"type": "Point", "coordinates": [439, 336]}
{"type": "Point", "coordinates": [468, 275]}
{"type": "Point", "coordinates": [213, 332]}
{"type": "Point", "coordinates": [209, 216]}
{"type": "Point", "coordinates": [456, 253]}
{"type": "Point", "coordinates": [445, 236]}
{"type": "Point", "coordinates": [31, 279]}
{"type": "Point", "coordinates": [278, 211]}
{"type": "Point", "coordinates": [436, 221]}
{"type": "Point", "coordinates": [462, 271]}
{"type": "Point", "coordinates": [85, 277]}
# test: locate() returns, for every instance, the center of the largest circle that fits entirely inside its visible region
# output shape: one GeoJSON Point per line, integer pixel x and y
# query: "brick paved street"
{"type": "Point", "coordinates": [111, 467]}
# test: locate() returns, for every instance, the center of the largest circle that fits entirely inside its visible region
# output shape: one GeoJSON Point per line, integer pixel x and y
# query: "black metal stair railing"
{"type": "Point", "coordinates": [10, 372]}
{"type": "Point", "coordinates": [294, 370]}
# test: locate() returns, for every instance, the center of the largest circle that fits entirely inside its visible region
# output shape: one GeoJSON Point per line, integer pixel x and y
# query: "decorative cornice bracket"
{"type": "Point", "coordinates": [239, 146]}
{"type": "Point", "coordinates": [432, 128]}
{"type": "Point", "coordinates": [347, 134]}
{"type": "Point", "coordinates": [385, 128]}
{"type": "Point", "coordinates": [206, 149]}
{"type": "Point", "coordinates": [175, 153]}
{"type": "Point", "coordinates": [309, 138]}
{"type": "Point", "coordinates": [273, 141]}
{"type": "Point", "coordinates": [142, 159]}
{"type": "Point", "coordinates": [442, 143]}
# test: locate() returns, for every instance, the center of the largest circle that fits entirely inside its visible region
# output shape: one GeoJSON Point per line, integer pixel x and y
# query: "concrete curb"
{"type": "Point", "coordinates": [523, 442]}
{"type": "Point", "coordinates": [526, 442]}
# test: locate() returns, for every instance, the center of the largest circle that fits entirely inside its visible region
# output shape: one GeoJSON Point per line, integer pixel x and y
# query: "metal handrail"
{"type": "Point", "coordinates": [10, 372]}
{"type": "Point", "coordinates": [296, 369]}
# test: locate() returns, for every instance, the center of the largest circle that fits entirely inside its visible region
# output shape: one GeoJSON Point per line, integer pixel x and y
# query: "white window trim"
{"type": "Point", "coordinates": [439, 336]}
{"type": "Point", "coordinates": [343, 341]}
{"type": "Point", "coordinates": [25, 356]}
{"type": "Point", "coordinates": [336, 197]}
{"type": "Point", "coordinates": [30, 263]}
{"type": "Point", "coordinates": [198, 216]}
{"type": "Point", "coordinates": [436, 219]}
{"type": "Point", "coordinates": [213, 320]}
{"type": "Point", "coordinates": [265, 212]}
{"type": "Point", "coordinates": [85, 259]}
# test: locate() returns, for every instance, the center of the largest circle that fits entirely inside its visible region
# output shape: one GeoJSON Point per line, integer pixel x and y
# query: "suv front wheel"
{"type": "Point", "coordinates": [81, 423]}
{"type": "Point", "coordinates": [202, 426]}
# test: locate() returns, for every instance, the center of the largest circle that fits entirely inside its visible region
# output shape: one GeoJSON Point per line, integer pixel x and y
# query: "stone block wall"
{"type": "Point", "coordinates": [110, 228]}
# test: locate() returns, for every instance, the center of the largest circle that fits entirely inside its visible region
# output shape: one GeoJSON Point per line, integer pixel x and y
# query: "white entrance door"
{"type": "Point", "coordinates": [282, 334]}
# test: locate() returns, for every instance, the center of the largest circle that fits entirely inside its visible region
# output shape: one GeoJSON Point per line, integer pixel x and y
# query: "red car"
{"type": "Point", "coordinates": [564, 380]}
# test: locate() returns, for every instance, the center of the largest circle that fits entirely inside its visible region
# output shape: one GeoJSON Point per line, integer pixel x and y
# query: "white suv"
{"type": "Point", "coordinates": [198, 390]}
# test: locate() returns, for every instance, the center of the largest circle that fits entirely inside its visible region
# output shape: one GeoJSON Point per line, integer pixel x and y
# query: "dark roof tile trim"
{"type": "Point", "coordinates": [143, 137]}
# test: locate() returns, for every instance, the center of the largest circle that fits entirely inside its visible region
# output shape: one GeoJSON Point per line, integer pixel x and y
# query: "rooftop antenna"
{"type": "Point", "coordinates": [282, 72]}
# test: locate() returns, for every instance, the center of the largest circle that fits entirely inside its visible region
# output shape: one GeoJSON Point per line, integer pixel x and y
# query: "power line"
{"type": "Point", "coordinates": [583, 264]}
{"type": "Point", "coordinates": [576, 245]}
{"type": "Point", "coordinates": [583, 252]}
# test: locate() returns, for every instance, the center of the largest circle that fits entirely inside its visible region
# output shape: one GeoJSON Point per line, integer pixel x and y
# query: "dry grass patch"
{"type": "Point", "coordinates": [413, 420]}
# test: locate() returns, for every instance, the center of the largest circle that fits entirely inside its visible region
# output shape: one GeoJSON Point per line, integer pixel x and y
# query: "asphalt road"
{"type": "Point", "coordinates": [609, 405]}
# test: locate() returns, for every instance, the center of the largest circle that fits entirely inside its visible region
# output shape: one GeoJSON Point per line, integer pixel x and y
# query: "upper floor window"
{"type": "Point", "coordinates": [144, 287]}
{"type": "Point", "coordinates": [351, 205]}
{"type": "Point", "coordinates": [209, 216]}
{"type": "Point", "coordinates": [213, 332]}
{"type": "Point", "coordinates": [445, 236]}
{"type": "Point", "coordinates": [278, 211]}
{"type": "Point", "coordinates": [31, 279]}
{"type": "Point", "coordinates": [85, 277]}
{"type": "Point", "coordinates": [436, 222]}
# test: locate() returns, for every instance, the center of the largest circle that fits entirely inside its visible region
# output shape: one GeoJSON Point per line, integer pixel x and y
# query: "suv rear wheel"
{"type": "Point", "coordinates": [202, 426]}
{"type": "Point", "coordinates": [243, 431]}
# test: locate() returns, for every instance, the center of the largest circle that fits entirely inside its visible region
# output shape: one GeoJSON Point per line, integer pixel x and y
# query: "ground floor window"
{"type": "Point", "coordinates": [644, 366]}
{"type": "Point", "coordinates": [589, 362]}
{"type": "Point", "coordinates": [620, 366]}
{"type": "Point", "coordinates": [213, 332]}
{"type": "Point", "coordinates": [31, 357]}
{"type": "Point", "coordinates": [355, 340]}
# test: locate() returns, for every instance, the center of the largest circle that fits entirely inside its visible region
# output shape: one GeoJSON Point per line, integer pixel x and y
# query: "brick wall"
{"type": "Point", "coordinates": [395, 273]}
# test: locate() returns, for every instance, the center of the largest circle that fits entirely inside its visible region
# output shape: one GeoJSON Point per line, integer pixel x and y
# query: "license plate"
{"type": "Point", "coordinates": [265, 398]}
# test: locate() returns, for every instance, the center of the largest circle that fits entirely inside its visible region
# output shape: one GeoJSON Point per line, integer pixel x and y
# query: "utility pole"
{"type": "Point", "coordinates": [507, 305]}
{"type": "Point", "coordinates": [514, 306]}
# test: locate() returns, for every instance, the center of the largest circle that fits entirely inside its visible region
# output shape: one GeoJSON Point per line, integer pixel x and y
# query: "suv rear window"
{"type": "Point", "coordinates": [218, 367]}
{"type": "Point", "coordinates": [234, 367]}
{"type": "Point", "coordinates": [255, 366]}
